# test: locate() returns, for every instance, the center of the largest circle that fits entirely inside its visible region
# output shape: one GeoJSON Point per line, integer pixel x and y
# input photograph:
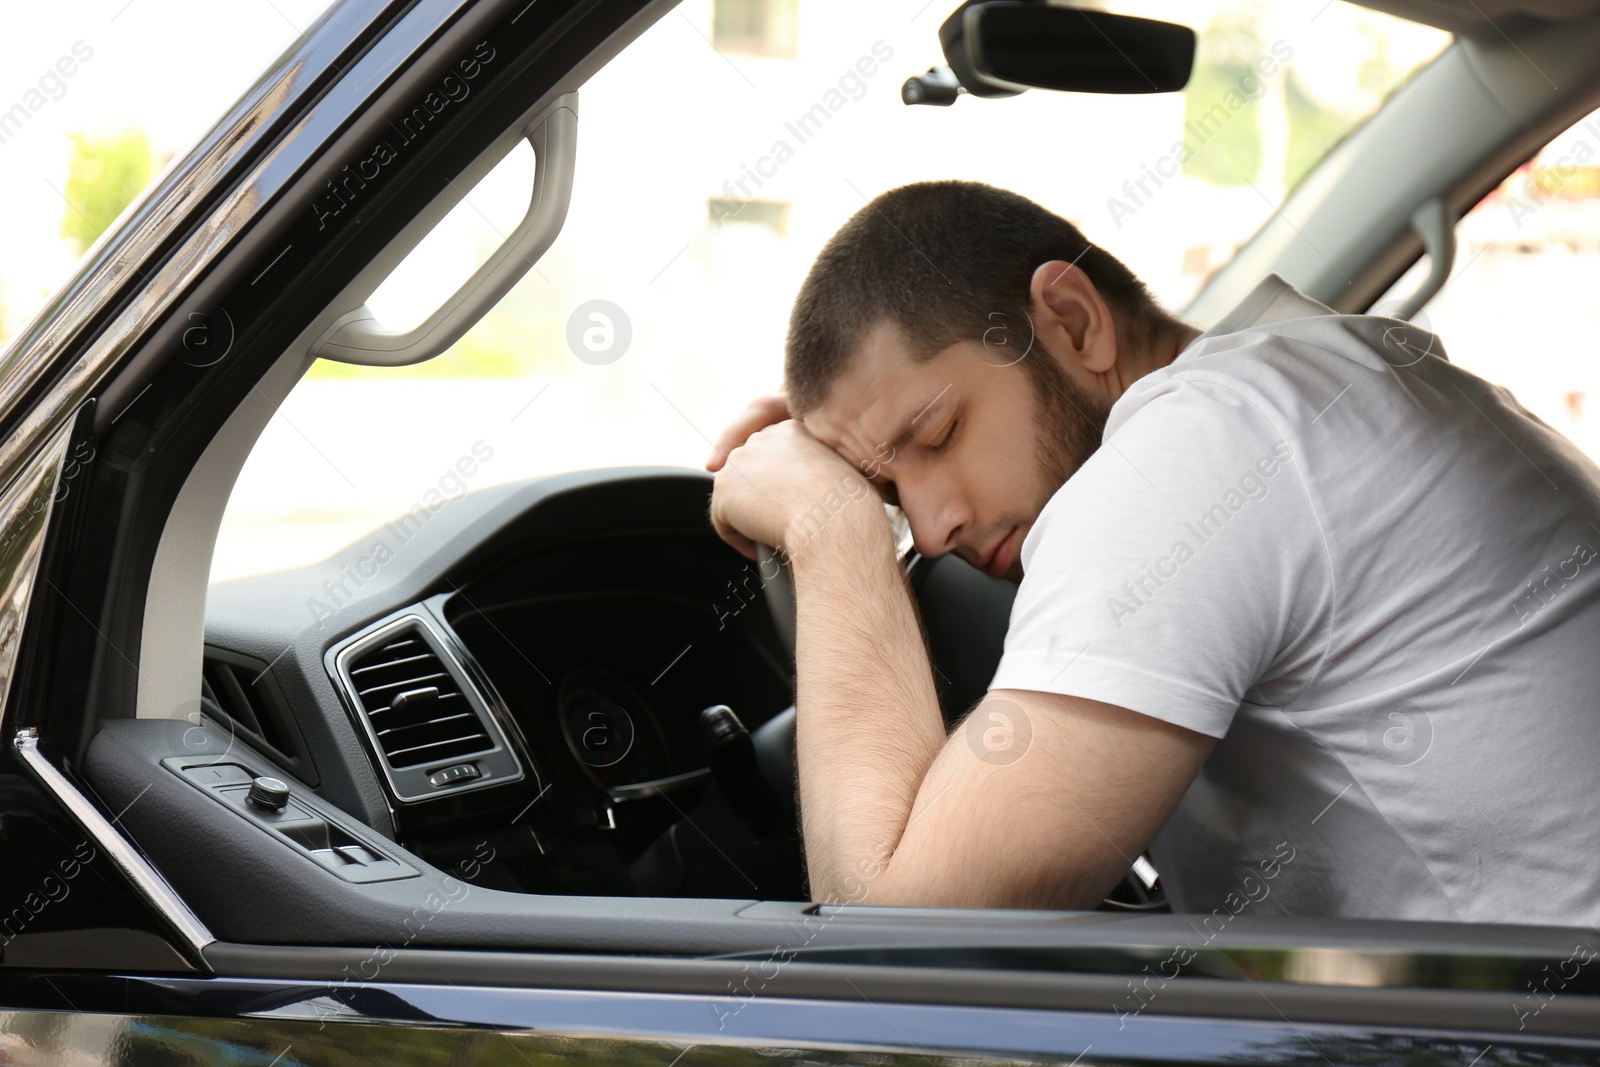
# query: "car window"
{"type": "Point", "coordinates": [716, 155]}
{"type": "Point", "coordinates": [97, 99]}
{"type": "Point", "coordinates": [1518, 308]}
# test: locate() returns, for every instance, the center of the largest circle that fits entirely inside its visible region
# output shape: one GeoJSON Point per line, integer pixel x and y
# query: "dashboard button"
{"type": "Point", "coordinates": [215, 774]}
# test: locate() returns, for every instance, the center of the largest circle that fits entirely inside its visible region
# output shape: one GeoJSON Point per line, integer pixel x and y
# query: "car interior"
{"type": "Point", "coordinates": [485, 704]}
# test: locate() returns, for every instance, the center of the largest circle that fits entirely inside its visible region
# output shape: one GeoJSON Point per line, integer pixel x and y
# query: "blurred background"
{"type": "Point", "coordinates": [716, 155]}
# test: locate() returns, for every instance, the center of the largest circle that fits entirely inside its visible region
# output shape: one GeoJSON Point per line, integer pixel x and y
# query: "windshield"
{"type": "Point", "coordinates": [716, 155]}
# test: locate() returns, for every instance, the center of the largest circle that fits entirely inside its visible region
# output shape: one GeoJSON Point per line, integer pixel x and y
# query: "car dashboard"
{"type": "Point", "coordinates": [557, 673]}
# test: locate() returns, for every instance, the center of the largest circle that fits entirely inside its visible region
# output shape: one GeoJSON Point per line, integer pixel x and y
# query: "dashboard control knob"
{"type": "Point", "coordinates": [268, 794]}
{"type": "Point", "coordinates": [461, 772]}
{"type": "Point", "coordinates": [732, 757]}
{"type": "Point", "coordinates": [718, 725]}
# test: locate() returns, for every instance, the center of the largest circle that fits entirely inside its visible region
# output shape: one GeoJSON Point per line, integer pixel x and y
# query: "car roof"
{"type": "Point", "coordinates": [1472, 18]}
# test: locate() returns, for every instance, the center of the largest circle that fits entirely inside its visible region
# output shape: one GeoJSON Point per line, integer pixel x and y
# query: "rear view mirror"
{"type": "Point", "coordinates": [1002, 47]}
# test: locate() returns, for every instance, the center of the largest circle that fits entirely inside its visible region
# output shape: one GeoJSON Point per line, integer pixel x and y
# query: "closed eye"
{"type": "Point", "coordinates": [949, 435]}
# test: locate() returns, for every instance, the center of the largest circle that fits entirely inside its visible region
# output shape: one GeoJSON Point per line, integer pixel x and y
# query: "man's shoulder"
{"type": "Point", "coordinates": [1287, 371]}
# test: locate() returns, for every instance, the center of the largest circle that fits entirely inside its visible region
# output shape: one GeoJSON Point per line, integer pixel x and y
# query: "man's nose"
{"type": "Point", "coordinates": [936, 514]}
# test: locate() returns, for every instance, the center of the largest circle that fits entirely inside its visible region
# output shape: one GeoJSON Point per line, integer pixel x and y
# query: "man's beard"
{"type": "Point", "coordinates": [1068, 422]}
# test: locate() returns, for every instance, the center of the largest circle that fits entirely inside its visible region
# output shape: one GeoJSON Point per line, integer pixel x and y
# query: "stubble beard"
{"type": "Point", "coordinates": [1068, 423]}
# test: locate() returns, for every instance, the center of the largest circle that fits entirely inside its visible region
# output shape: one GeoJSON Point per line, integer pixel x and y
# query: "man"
{"type": "Point", "coordinates": [1304, 608]}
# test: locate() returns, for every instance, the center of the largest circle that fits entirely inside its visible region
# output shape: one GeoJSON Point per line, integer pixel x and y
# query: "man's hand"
{"type": "Point", "coordinates": [762, 412]}
{"type": "Point", "coordinates": [782, 487]}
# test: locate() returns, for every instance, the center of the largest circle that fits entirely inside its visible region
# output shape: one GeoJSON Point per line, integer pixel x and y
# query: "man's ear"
{"type": "Point", "coordinates": [1072, 318]}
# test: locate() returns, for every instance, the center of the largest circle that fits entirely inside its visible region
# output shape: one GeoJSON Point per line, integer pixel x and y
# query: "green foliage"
{"type": "Point", "coordinates": [1377, 74]}
{"type": "Point", "coordinates": [1313, 129]}
{"type": "Point", "coordinates": [103, 177]}
{"type": "Point", "coordinates": [1220, 125]}
{"type": "Point", "coordinates": [1226, 143]}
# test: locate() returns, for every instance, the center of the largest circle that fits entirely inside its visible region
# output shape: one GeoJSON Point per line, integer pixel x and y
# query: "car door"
{"type": "Point", "coordinates": [152, 914]}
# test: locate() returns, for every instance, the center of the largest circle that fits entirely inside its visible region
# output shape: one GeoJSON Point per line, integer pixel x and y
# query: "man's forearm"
{"type": "Point", "coordinates": [868, 723]}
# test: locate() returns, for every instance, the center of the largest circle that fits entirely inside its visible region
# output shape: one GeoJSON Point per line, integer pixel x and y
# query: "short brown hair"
{"type": "Point", "coordinates": [945, 261]}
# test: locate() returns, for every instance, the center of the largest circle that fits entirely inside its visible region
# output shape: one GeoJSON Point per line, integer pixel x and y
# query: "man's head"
{"type": "Point", "coordinates": [963, 347]}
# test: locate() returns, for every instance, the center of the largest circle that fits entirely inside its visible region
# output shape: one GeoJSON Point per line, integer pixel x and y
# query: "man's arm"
{"type": "Point", "coordinates": [1036, 800]}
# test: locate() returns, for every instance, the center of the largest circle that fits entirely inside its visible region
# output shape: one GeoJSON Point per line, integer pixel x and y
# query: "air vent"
{"type": "Point", "coordinates": [239, 690]}
{"type": "Point", "coordinates": [417, 709]}
{"type": "Point", "coordinates": [431, 726]}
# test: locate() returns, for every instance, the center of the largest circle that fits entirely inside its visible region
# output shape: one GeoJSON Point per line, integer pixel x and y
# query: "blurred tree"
{"type": "Point", "coordinates": [1226, 149]}
{"type": "Point", "coordinates": [103, 177]}
{"type": "Point", "coordinates": [1220, 128]}
{"type": "Point", "coordinates": [1377, 75]}
{"type": "Point", "coordinates": [1314, 127]}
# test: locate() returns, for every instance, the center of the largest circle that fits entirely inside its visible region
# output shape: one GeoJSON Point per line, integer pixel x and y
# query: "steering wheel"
{"type": "Point", "coordinates": [779, 592]}
{"type": "Point", "coordinates": [779, 589]}
{"type": "Point", "coordinates": [774, 739]}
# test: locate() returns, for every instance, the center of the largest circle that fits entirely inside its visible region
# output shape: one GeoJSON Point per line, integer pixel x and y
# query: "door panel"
{"type": "Point", "coordinates": [267, 1023]}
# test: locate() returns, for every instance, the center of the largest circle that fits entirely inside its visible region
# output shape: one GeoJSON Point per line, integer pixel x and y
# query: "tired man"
{"type": "Point", "coordinates": [1304, 609]}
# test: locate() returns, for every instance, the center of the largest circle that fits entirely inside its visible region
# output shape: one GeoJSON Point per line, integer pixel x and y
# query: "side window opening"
{"type": "Point", "coordinates": [1519, 306]}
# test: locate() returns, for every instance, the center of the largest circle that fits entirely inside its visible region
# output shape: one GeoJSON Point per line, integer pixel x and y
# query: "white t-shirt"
{"type": "Point", "coordinates": [1374, 576]}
